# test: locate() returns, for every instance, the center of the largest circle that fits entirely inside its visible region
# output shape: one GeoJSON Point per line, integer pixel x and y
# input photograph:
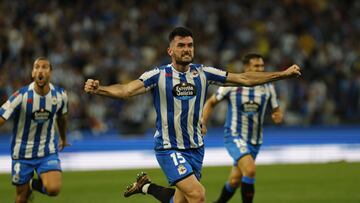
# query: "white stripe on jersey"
{"type": "Point", "coordinates": [244, 118]}
{"type": "Point", "coordinates": [163, 111]}
{"type": "Point", "coordinates": [177, 114]}
{"type": "Point", "coordinates": [234, 110]}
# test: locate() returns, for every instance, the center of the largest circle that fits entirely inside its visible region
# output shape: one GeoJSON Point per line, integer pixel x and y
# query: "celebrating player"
{"type": "Point", "coordinates": [244, 127]}
{"type": "Point", "coordinates": [179, 91]}
{"type": "Point", "coordinates": [35, 109]}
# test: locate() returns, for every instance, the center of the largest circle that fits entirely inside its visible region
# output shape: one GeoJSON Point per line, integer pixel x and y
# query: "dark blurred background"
{"type": "Point", "coordinates": [116, 41]}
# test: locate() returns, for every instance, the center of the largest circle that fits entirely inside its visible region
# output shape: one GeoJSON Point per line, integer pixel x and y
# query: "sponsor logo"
{"type": "Point", "coordinates": [41, 115]}
{"type": "Point", "coordinates": [29, 101]}
{"type": "Point", "coordinates": [250, 107]}
{"type": "Point", "coordinates": [184, 91]}
{"type": "Point", "coordinates": [181, 169]}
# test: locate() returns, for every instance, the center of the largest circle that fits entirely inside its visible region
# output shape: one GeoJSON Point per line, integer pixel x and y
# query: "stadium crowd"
{"type": "Point", "coordinates": [116, 41]}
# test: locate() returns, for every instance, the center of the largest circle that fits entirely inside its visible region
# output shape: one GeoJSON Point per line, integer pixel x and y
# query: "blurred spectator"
{"type": "Point", "coordinates": [117, 41]}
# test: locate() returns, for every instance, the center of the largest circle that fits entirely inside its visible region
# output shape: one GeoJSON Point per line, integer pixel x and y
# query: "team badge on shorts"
{"type": "Point", "coordinates": [243, 149]}
{"type": "Point", "coordinates": [181, 169]}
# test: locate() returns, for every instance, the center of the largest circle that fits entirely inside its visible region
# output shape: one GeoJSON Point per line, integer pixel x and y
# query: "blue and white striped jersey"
{"type": "Point", "coordinates": [34, 121]}
{"type": "Point", "coordinates": [246, 110]}
{"type": "Point", "coordinates": [178, 100]}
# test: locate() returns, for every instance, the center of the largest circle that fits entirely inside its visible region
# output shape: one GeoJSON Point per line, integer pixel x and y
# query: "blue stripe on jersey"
{"type": "Point", "coordinates": [262, 109]}
{"type": "Point", "coordinates": [170, 106]}
{"type": "Point", "coordinates": [48, 132]}
{"type": "Point", "coordinates": [39, 127]}
{"type": "Point", "coordinates": [250, 117]}
{"type": "Point", "coordinates": [197, 81]}
{"type": "Point", "coordinates": [15, 129]}
{"type": "Point", "coordinates": [156, 94]}
{"type": "Point", "coordinates": [29, 107]}
{"type": "Point", "coordinates": [184, 117]}
{"type": "Point", "coordinates": [238, 96]}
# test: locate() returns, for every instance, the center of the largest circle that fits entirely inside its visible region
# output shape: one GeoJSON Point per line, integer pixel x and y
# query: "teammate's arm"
{"type": "Point", "coordinates": [2, 121]}
{"type": "Point", "coordinates": [277, 115]}
{"type": "Point", "coordinates": [121, 91]}
{"type": "Point", "coordinates": [258, 78]}
{"type": "Point", "coordinates": [62, 126]}
{"type": "Point", "coordinates": [208, 109]}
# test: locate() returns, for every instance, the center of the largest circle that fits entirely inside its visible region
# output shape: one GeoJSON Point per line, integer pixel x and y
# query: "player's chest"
{"type": "Point", "coordinates": [182, 86]}
{"type": "Point", "coordinates": [40, 108]}
{"type": "Point", "coordinates": [250, 100]}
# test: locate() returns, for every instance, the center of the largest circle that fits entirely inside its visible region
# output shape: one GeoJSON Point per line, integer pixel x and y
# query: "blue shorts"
{"type": "Point", "coordinates": [238, 148]}
{"type": "Point", "coordinates": [180, 164]}
{"type": "Point", "coordinates": [22, 170]}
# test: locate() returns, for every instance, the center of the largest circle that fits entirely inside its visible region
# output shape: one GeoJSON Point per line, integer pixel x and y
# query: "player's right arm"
{"type": "Point", "coordinates": [8, 108]}
{"type": "Point", "coordinates": [120, 91]}
{"type": "Point", "coordinates": [208, 109]}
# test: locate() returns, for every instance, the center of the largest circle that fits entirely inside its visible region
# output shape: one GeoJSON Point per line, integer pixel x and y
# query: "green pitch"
{"type": "Point", "coordinates": [308, 183]}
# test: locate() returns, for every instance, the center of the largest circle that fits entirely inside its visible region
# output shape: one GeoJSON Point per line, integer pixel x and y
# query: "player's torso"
{"type": "Point", "coordinates": [34, 124]}
{"type": "Point", "coordinates": [179, 99]}
{"type": "Point", "coordinates": [249, 101]}
{"type": "Point", "coordinates": [246, 110]}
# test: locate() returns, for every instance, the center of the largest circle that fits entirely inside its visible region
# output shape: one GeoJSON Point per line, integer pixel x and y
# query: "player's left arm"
{"type": "Point", "coordinates": [258, 78]}
{"type": "Point", "coordinates": [62, 126]}
{"type": "Point", "coordinates": [61, 121]}
{"type": "Point", "coordinates": [277, 115]}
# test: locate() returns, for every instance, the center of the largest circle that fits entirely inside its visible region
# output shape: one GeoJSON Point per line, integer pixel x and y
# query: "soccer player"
{"type": "Point", "coordinates": [36, 109]}
{"type": "Point", "coordinates": [244, 127]}
{"type": "Point", "coordinates": [179, 91]}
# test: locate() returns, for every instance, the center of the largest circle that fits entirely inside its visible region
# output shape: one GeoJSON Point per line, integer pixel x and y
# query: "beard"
{"type": "Point", "coordinates": [182, 62]}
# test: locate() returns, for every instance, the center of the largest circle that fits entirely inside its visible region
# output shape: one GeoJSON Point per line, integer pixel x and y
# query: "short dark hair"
{"type": "Point", "coordinates": [42, 58]}
{"type": "Point", "coordinates": [180, 31]}
{"type": "Point", "coordinates": [246, 59]}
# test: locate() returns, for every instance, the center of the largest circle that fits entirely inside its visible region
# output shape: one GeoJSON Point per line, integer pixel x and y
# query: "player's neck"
{"type": "Point", "coordinates": [180, 68]}
{"type": "Point", "coordinates": [42, 90]}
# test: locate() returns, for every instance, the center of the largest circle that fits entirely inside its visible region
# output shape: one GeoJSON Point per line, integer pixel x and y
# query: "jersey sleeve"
{"type": "Point", "coordinates": [150, 78]}
{"type": "Point", "coordinates": [222, 92]}
{"type": "Point", "coordinates": [8, 108]}
{"type": "Point", "coordinates": [273, 97]}
{"type": "Point", "coordinates": [215, 76]}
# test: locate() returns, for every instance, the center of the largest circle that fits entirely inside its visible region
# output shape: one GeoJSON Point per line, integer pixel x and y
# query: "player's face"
{"type": "Point", "coordinates": [255, 65]}
{"type": "Point", "coordinates": [181, 50]}
{"type": "Point", "coordinates": [41, 72]}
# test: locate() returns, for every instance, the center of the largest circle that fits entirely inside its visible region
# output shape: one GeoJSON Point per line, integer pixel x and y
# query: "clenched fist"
{"type": "Point", "coordinates": [293, 70]}
{"type": "Point", "coordinates": [91, 86]}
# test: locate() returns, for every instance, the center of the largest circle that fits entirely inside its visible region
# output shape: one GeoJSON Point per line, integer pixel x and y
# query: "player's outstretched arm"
{"type": "Point", "coordinates": [120, 91]}
{"type": "Point", "coordinates": [258, 78]}
{"type": "Point", "coordinates": [208, 109]}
